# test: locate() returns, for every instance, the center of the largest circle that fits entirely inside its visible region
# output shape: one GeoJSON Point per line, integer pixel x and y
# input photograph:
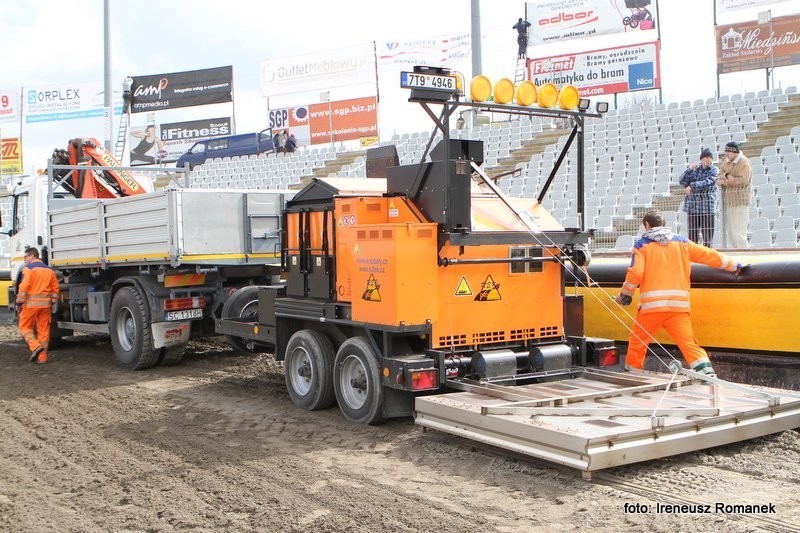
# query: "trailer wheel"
{"type": "Point", "coordinates": [309, 370]}
{"type": "Point", "coordinates": [171, 356]}
{"type": "Point", "coordinates": [242, 303]}
{"type": "Point", "coordinates": [130, 332]}
{"type": "Point", "coordinates": [357, 382]}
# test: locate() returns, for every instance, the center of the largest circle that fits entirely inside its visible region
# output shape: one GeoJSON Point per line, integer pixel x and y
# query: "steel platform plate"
{"type": "Point", "coordinates": [593, 419]}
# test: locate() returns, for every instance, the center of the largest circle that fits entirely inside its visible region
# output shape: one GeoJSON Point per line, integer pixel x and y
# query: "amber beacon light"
{"type": "Point", "coordinates": [526, 93]}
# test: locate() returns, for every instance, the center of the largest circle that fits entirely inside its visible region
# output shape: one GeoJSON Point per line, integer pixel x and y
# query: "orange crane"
{"type": "Point", "coordinates": [94, 182]}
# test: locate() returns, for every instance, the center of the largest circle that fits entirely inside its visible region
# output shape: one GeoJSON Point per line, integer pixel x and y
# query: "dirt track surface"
{"type": "Point", "coordinates": [215, 444]}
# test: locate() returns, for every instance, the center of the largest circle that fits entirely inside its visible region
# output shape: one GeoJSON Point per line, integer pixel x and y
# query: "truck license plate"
{"type": "Point", "coordinates": [186, 314]}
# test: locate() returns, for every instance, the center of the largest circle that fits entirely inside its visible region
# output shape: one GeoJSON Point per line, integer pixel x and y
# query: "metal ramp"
{"type": "Point", "coordinates": [592, 419]}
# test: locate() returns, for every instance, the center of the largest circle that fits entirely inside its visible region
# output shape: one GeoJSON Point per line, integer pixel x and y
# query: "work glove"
{"type": "Point", "coordinates": [623, 299]}
{"type": "Point", "coordinates": [740, 268]}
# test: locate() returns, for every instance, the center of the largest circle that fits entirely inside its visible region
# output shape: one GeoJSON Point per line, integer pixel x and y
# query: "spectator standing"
{"type": "Point", "coordinates": [700, 204]}
{"type": "Point", "coordinates": [291, 143]}
{"type": "Point", "coordinates": [36, 295]}
{"type": "Point", "coordinates": [279, 143]}
{"type": "Point", "coordinates": [522, 37]}
{"type": "Point", "coordinates": [735, 180]}
{"type": "Point", "coordinates": [661, 266]}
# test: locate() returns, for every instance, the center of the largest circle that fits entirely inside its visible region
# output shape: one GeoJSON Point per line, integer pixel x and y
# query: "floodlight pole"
{"type": "Point", "coordinates": [107, 102]}
{"type": "Point", "coordinates": [475, 6]}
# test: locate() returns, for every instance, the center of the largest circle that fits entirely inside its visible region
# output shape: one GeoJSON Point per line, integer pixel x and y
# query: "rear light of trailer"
{"type": "Point", "coordinates": [425, 379]}
{"type": "Point", "coordinates": [608, 356]}
{"type": "Point", "coordinates": [178, 304]}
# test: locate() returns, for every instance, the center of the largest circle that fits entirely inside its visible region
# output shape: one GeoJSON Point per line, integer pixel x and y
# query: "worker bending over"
{"type": "Point", "coordinates": [661, 266]}
{"type": "Point", "coordinates": [36, 295]}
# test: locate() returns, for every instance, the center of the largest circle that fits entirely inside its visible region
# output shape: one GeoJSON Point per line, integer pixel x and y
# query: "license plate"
{"type": "Point", "coordinates": [186, 314]}
{"type": "Point", "coordinates": [414, 80]}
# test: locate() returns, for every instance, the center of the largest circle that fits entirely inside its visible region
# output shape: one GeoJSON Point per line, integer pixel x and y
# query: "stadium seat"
{"type": "Point", "coordinates": [761, 238]}
{"type": "Point", "coordinates": [624, 243]}
{"type": "Point", "coordinates": [783, 221]}
{"type": "Point", "coordinates": [759, 223]}
{"type": "Point", "coordinates": [785, 238]}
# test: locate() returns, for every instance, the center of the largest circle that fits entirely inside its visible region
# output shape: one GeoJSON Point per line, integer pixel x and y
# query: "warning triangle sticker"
{"type": "Point", "coordinates": [372, 294]}
{"type": "Point", "coordinates": [463, 288]}
{"type": "Point", "coordinates": [489, 291]}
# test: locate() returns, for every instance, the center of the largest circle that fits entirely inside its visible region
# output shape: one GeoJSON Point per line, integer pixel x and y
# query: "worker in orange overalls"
{"type": "Point", "coordinates": [36, 295]}
{"type": "Point", "coordinates": [661, 265]}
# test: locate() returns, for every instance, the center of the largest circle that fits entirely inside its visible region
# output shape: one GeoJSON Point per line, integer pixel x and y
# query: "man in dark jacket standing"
{"type": "Point", "coordinates": [700, 204]}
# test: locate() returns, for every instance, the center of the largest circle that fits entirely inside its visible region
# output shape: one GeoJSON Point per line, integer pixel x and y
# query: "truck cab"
{"type": "Point", "coordinates": [230, 146]}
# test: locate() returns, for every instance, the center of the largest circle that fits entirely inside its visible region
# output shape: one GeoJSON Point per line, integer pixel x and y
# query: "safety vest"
{"type": "Point", "coordinates": [662, 271]}
{"type": "Point", "coordinates": [39, 286]}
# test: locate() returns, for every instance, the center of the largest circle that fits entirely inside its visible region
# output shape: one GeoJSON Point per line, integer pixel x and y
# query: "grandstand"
{"type": "Point", "coordinates": [633, 160]}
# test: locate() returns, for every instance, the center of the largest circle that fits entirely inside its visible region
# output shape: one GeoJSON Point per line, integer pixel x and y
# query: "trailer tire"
{"type": "Point", "coordinates": [130, 333]}
{"type": "Point", "coordinates": [242, 303]}
{"type": "Point", "coordinates": [357, 383]}
{"type": "Point", "coordinates": [308, 369]}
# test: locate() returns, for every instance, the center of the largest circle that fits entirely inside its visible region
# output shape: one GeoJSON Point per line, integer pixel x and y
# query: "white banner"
{"type": "Point", "coordinates": [9, 104]}
{"type": "Point", "coordinates": [439, 51]}
{"type": "Point", "coordinates": [723, 6]}
{"type": "Point", "coordinates": [63, 102]}
{"type": "Point", "coordinates": [608, 71]}
{"type": "Point", "coordinates": [558, 20]}
{"type": "Point", "coordinates": [332, 68]}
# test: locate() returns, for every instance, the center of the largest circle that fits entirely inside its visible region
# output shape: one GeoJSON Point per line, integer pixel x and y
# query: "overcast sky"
{"type": "Point", "coordinates": [52, 42]}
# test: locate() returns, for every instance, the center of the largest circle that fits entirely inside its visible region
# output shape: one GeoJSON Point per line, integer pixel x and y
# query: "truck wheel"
{"type": "Point", "coordinates": [171, 356]}
{"type": "Point", "coordinates": [130, 330]}
{"type": "Point", "coordinates": [357, 383]}
{"type": "Point", "coordinates": [308, 368]}
{"type": "Point", "coordinates": [243, 303]}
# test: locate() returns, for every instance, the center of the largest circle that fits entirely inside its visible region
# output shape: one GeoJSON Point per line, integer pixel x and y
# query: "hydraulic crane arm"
{"type": "Point", "coordinates": [95, 183]}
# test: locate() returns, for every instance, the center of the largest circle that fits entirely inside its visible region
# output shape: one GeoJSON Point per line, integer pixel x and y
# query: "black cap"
{"type": "Point", "coordinates": [732, 147]}
{"type": "Point", "coordinates": [706, 153]}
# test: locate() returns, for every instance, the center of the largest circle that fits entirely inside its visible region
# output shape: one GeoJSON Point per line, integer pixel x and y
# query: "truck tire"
{"type": "Point", "coordinates": [308, 368]}
{"type": "Point", "coordinates": [357, 383]}
{"type": "Point", "coordinates": [242, 303]}
{"type": "Point", "coordinates": [130, 332]}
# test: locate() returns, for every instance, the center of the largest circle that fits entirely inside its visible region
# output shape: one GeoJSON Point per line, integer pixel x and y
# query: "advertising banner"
{"type": "Point", "coordinates": [182, 89]}
{"type": "Point", "coordinates": [62, 102]}
{"type": "Point", "coordinates": [342, 120]}
{"type": "Point", "coordinates": [166, 143]}
{"type": "Point", "coordinates": [11, 156]}
{"type": "Point", "coordinates": [559, 20]}
{"type": "Point", "coordinates": [748, 45]}
{"type": "Point", "coordinates": [724, 6]}
{"type": "Point", "coordinates": [9, 105]}
{"type": "Point", "coordinates": [322, 71]}
{"type": "Point", "coordinates": [607, 71]}
{"type": "Point", "coordinates": [440, 51]}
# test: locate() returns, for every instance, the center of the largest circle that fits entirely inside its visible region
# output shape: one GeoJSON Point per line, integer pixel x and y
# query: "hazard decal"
{"type": "Point", "coordinates": [372, 294]}
{"type": "Point", "coordinates": [463, 288]}
{"type": "Point", "coordinates": [489, 291]}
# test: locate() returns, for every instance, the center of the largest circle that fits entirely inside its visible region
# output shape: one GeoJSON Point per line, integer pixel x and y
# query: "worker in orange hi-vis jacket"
{"type": "Point", "coordinates": [36, 294]}
{"type": "Point", "coordinates": [661, 266]}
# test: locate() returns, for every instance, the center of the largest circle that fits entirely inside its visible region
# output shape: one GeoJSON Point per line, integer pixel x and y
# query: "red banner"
{"type": "Point", "coordinates": [748, 45]}
{"type": "Point", "coordinates": [342, 120]}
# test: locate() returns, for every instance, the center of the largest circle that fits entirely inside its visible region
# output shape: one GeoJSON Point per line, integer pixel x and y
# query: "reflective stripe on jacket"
{"type": "Point", "coordinates": [39, 286]}
{"type": "Point", "coordinates": [662, 272]}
